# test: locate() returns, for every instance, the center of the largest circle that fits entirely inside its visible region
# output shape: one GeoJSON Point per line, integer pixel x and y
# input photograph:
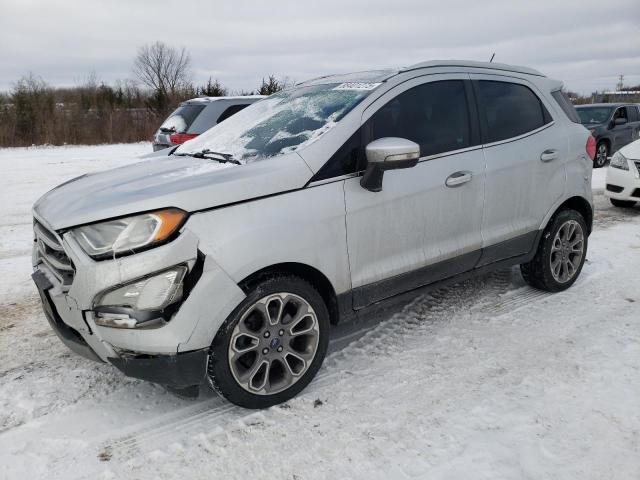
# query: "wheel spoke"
{"type": "Point", "coordinates": [295, 363]}
{"type": "Point", "coordinates": [556, 268]}
{"type": "Point", "coordinates": [258, 376]}
{"type": "Point", "coordinates": [273, 309]}
{"type": "Point", "coordinates": [302, 325]}
{"type": "Point", "coordinates": [244, 342]}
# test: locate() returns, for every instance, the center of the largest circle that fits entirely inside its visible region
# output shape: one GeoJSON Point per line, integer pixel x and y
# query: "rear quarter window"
{"type": "Point", "coordinates": [565, 104]}
{"type": "Point", "coordinates": [182, 118]}
{"type": "Point", "coordinates": [509, 110]}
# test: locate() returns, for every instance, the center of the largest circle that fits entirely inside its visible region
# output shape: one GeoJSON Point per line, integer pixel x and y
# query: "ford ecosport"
{"type": "Point", "coordinates": [226, 262]}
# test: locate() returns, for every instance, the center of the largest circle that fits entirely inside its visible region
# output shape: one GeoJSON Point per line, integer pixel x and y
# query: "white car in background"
{"type": "Point", "coordinates": [623, 176]}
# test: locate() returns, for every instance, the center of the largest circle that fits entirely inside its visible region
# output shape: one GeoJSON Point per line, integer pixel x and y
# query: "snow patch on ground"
{"type": "Point", "coordinates": [486, 379]}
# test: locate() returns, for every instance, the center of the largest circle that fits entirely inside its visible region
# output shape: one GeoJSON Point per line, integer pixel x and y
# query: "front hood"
{"type": "Point", "coordinates": [632, 150]}
{"type": "Point", "coordinates": [183, 182]}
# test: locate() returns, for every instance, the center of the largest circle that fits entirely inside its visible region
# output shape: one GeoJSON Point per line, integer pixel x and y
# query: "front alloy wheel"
{"type": "Point", "coordinates": [272, 345]}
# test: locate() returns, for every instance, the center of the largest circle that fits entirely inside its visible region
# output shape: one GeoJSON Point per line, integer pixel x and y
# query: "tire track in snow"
{"type": "Point", "coordinates": [473, 295]}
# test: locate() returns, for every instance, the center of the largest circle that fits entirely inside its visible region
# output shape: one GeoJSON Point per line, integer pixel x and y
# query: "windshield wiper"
{"type": "Point", "coordinates": [211, 155]}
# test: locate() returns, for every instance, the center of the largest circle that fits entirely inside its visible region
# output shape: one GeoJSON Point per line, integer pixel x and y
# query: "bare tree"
{"type": "Point", "coordinates": [163, 68]}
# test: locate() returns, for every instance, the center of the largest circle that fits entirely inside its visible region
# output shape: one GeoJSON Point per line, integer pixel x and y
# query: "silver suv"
{"type": "Point", "coordinates": [227, 262]}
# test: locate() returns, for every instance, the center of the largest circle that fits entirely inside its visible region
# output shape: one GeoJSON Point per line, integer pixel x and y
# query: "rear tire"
{"type": "Point", "coordinates": [602, 153]}
{"type": "Point", "coordinates": [272, 344]}
{"type": "Point", "coordinates": [622, 203]}
{"type": "Point", "coordinates": [561, 253]}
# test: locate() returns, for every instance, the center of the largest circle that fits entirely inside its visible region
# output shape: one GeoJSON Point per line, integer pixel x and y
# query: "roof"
{"type": "Point", "coordinates": [368, 76]}
{"type": "Point", "coordinates": [215, 99]}
{"type": "Point", "coordinates": [473, 64]}
{"type": "Point", "coordinates": [373, 76]}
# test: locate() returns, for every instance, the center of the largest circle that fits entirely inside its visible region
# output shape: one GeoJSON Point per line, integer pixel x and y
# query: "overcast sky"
{"type": "Point", "coordinates": [585, 43]}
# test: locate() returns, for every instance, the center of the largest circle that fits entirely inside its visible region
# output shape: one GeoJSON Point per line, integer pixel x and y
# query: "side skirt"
{"type": "Point", "coordinates": [353, 307]}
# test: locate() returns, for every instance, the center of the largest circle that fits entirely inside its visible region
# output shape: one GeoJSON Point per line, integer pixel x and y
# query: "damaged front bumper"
{"type": "Point", "coordinates": [172, 352]}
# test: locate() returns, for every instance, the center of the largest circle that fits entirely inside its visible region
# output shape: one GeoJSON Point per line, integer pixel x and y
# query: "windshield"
{"type": "Point", "coordinates": [282, 122]}
{"type": "Point", "coordinates": [594, 114]}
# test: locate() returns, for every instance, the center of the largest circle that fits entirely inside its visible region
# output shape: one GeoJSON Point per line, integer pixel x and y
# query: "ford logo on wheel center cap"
{"type": "Point", "coordinates": [274, 343]}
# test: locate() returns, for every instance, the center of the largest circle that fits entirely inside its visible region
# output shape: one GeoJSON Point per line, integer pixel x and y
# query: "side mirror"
{"type": "Point", "coordinates": [389, 153]}
{"type": "Point", "coordinates": [620, 121]}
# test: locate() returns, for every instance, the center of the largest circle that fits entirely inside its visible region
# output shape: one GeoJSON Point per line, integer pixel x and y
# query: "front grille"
{"type": "Point", "coordinates": [51, 253]}
{"type": "Point", "coordinates": [614, 188]}
{"type": "Point", "coordinates": [637, 165]}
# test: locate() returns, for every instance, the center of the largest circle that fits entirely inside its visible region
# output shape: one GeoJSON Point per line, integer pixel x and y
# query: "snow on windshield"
{"type": "Point", "coordinates": [282, 122]}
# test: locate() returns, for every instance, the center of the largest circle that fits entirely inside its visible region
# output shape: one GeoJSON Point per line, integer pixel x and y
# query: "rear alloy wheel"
{"type": "Point", "coordinates": [561, 253]}
{"type": "Point", "coordinates": [602, 153]}
{"type": "Point", "coordinates": [273, 344]}
{"type": "Point", "coordinates": [622, 203]}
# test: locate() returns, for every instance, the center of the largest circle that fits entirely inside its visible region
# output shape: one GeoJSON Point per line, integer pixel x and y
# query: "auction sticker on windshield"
{"type": "Point", "coordinates": [356, 86]}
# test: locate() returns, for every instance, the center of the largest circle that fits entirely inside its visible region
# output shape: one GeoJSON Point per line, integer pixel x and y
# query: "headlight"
{"type": "Point", "coordinates": [619, 161]}
{"type": "Point", "coordinates": [141, 302]}
{"type": "Point", "coordinates": [105, 239]}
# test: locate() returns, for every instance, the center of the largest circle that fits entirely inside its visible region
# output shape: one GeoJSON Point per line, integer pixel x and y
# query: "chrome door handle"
{"type": "Point", "coordinates": [458, 178]}
{"type": "Point", "coordinates": [549, 155]}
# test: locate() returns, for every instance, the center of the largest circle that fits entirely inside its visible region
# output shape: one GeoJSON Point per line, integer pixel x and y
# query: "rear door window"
{"type": "Point", "coordinates": [509, 109]}
{"type": "Point", "coordinates": [435, 115]}
{"type": "Point", "coordinates": [181, 118]}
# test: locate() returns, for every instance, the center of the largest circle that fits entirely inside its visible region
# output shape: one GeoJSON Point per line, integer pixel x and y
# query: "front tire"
{"type": "Point", "coordinates": [272, 344]}
{"type": "Point", "coordinates": [561, 253]}
{"type": "Point", "coordinates": [622, 203]}
{"type": "Point", "coordinates": [602, 153]}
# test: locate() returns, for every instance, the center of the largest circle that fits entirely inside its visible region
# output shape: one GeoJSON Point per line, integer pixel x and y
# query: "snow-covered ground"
{"type": "Point", "coordinates": [488, 379]}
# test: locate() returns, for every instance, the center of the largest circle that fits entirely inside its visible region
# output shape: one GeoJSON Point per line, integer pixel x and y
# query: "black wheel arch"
{"type": "Point", "coordinates": [582, 206]}
{"type": "Point", "coordinates": [306, 272]}
{"type": "Point", "coordinates": [606, 141]}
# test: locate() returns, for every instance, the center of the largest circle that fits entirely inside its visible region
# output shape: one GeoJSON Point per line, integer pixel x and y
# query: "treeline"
{"type": "Point", "coordinates": [35, 113]}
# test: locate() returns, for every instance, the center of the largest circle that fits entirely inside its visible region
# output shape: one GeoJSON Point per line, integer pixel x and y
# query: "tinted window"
{"type": "Point", "coordinates": [230, 111]}
{"type": "Point", "coordinates": [590, 115]}
{"type": "Point", "coordinates": [632, 114]}
{"type": "Point", "coordinates": [620, 113]}
{"type": "Point", "coordinates": [509, 110]}
{"type": "Point", "coordinates": [434, 115]}
{"type": "Point", "coordinates": [348, 159]}
{"type": "Point", "coordinates": [565, 104]}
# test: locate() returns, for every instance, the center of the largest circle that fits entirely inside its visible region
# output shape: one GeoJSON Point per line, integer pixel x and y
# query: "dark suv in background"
{"type": "Point", "coordinates": [196, 116]}
{"type": "Point", "coordinates": [613, 125]}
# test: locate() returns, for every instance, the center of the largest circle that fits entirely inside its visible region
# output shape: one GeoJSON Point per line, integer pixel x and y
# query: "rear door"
{"type": "Point", "coordinates": [525, 151]}
{"type": "Point", "coordinates": [417, 229]}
